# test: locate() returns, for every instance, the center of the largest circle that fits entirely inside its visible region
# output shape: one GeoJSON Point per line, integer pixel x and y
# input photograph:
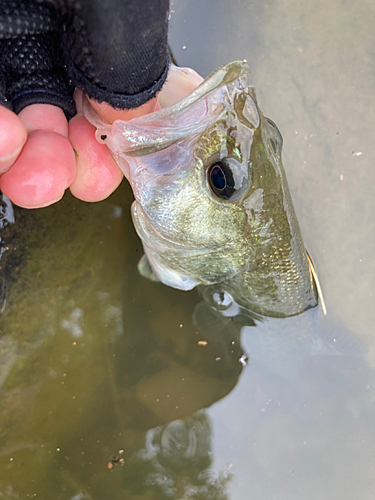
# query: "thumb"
{"type": "Point", "coordinates": [111, 114]}
{"type": "Point", "coordinates": [180, 83]}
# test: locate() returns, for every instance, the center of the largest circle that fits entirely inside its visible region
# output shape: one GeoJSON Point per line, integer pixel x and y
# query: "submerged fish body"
{"type": "Point", "coordinates": [212, 204]}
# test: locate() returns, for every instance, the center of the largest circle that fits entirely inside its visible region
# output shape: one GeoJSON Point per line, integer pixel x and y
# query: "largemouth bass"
{"type": "Point", "coordinates": [212, 204]}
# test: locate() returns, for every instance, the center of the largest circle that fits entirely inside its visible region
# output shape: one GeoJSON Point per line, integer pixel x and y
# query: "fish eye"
{"type": "Point", "coordinates": [221, 300]}
{"type": "Point", "coordinates": [221, 177]}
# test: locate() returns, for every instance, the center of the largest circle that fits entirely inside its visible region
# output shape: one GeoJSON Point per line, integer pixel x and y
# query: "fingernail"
{"type": "Point", "coordinates": [7, 161]}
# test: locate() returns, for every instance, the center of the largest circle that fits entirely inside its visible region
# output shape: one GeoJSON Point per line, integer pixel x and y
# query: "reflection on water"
{"type": "Point", "coordinates": [179, 454]}
{"type": "Point", "coordinates": [105, 376]}
{"type": "Point", "coordinates": [94, 360]}
{"type": "Point", "coordinates": [115, 387]}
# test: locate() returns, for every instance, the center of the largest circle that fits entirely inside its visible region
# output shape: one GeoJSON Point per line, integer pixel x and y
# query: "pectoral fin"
{"type": "Point", "coordinates": [317, 283]}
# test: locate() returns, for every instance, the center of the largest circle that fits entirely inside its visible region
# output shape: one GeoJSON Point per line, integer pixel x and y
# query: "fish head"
{"type": "Point", "coordinates": [210, 192]}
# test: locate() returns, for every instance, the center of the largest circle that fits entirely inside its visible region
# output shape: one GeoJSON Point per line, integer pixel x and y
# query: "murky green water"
{"type": "Point", "coordinates": [114, 387]}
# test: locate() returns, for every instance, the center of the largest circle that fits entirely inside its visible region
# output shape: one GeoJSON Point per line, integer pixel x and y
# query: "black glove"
{"type": "Point", "coordinates": [115, 50]}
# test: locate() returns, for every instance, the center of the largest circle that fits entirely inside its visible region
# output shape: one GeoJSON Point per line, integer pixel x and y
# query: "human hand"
{"type": "Point", "coordinates": [41, 153]}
